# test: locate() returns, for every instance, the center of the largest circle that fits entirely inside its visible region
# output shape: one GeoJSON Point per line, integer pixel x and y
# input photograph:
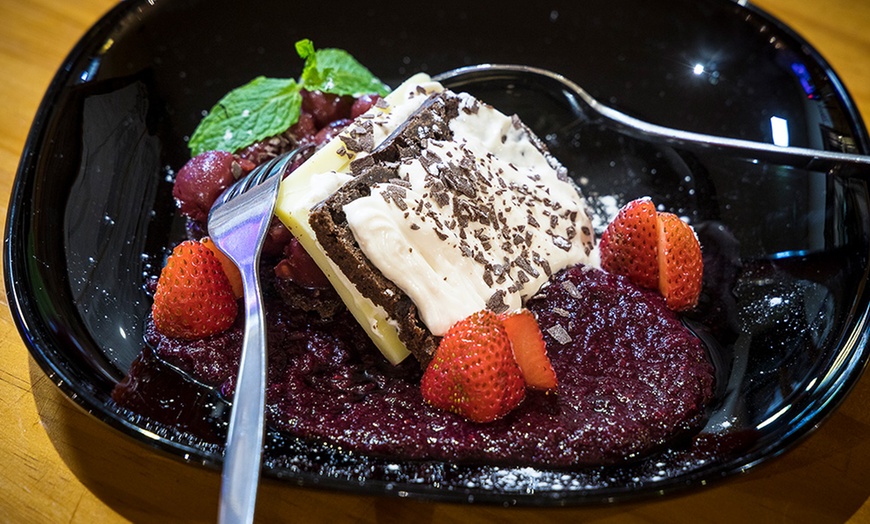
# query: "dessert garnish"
{"type": "Point", "coordinates": [484, 364]}
{"type": "Point", "coordinates": [474, 372]}
{"type": "Point", "coordinates": [655, 250]}
{"type": "Point", "coordinates": [230, 269]}
{"type": "Point", "coordinates": [266, 107]}
{"type": "Point", "coordinates": [194, 298]}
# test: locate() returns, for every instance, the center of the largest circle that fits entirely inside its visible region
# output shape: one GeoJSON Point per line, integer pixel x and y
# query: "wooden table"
{"type": "Point", "coordinates": [58, 464]}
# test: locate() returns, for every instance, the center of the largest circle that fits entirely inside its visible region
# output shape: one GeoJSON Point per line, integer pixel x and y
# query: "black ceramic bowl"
{"type": "Point", "coordinates": [785, 304]}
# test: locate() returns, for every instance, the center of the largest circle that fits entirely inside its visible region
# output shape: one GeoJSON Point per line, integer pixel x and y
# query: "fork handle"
{"type": "Point", "coordinates": [245, 438]}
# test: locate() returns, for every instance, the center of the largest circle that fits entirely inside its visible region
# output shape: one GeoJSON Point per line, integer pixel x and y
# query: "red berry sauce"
{"type": "Point", "coordinates": [631, 379]}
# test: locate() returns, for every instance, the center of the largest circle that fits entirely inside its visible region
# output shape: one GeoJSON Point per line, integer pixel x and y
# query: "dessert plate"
{"type": "Point", "coordinates": [785, 307]}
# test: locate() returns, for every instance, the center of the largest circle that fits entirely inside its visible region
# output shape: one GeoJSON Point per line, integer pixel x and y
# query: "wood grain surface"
{"type": "Point", "coordinates": [58, 464]}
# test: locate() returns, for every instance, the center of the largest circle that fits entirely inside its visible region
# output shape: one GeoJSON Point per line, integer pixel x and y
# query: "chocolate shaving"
{"type": "Point", "coordinates": [525, 265]}
{"type": "Point", "coordinates": [561, 242]}
{"type": "Point", "coordinates": [397, 195]}
{"type": "Point", "coordinates": [496, 302]}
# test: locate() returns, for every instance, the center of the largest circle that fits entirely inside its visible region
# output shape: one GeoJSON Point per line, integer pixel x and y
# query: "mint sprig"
{"type": "Point", "coordinates": [336, 71]}
{"type": "Point", "coordinates": [266, 107]}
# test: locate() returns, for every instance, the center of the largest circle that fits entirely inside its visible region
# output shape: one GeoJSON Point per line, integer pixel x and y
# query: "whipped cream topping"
{"type": "Point", "coordinates": [481, 221]}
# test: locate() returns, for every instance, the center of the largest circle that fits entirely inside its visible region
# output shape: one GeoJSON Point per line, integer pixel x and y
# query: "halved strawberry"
{"type": "Point", "coordinates": [629, 245]}
{"type": "Point", "coordinates": [681, 266]}
{"type": "Point", "coordinates": [194, 298]}
{"type": "Point", "coordinates": [474, 373]}
{"type": "Point", "coordinates": [530, 350]}
{"type": "Point", "coordinates": [655, 250]}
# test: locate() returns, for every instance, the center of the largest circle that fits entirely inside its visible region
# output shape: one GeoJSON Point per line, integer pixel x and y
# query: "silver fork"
{"type": "Point", "coordinates": [237, 223]}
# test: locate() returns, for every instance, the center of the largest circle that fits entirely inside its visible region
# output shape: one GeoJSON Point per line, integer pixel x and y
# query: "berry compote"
{"type": "Point", "coordinates": [631, 379]}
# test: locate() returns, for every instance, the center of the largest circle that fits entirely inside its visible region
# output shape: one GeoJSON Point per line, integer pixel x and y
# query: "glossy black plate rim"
{"type": "Point", "coordinates": [33, 334]}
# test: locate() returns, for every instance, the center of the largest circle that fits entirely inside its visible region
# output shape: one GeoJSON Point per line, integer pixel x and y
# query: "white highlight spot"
{"type": "Point", "coordinates": [779, 128]}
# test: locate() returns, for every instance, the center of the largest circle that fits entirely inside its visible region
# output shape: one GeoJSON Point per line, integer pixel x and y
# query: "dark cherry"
{"type": "Point", "coordinates": [304, 129]}
{"type": "Point", "coordinates": [277, 238]}
{"type": "Point", "coordinates": [326, 107]}
{"type": "Point", "coordinates": [203, 179]}
{"type": "Point", "coordinates": [265, 150]}
{"type": "Point", "coordinates": [298, 266]}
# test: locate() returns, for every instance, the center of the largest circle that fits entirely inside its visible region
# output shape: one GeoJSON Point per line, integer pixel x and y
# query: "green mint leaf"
{"type": "Point", "coordinates": [259, 109]}
{"type": "Point", "coordinates": [336, 71]}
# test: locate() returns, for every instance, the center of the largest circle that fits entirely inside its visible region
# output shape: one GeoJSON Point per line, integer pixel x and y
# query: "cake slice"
{"type": "Point", "coordinates": [461, 208]}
